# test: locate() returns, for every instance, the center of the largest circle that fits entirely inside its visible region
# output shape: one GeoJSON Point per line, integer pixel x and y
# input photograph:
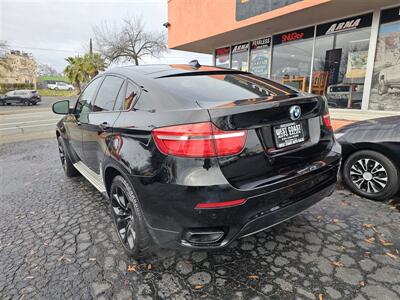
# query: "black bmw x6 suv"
{"type": "Point", "coordinates": [197, 156]}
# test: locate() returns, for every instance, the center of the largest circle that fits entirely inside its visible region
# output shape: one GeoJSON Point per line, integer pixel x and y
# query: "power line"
{"type": "Point", "coordinates": [75, 51]}
{"type": "Point", "coordinates": [44, 49]}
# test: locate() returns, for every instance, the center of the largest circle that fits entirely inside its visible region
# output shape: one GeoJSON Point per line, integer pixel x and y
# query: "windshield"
{"type": "Point", "coordinates": [223, 87]}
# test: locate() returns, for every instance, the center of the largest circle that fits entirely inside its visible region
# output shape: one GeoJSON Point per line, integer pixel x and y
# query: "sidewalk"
{"type": "Point", "coordinates": [342, 117]}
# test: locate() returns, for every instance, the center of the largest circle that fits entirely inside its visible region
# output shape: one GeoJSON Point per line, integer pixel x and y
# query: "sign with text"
{"type": "Point", "coordinates": [240, 48]}
{"type": "Point", "coordinates": [294, 35]}
{"type": "Point", "coordinates": [261, 43]}
{"type": "Point", "coordinates": [345, 25]}
{"type": "Point", "coordinates": [222, 55]}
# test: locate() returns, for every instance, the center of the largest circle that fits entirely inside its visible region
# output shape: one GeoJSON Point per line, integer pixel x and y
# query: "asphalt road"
{"type": "Point", "coordinates": [57, 241]}
{"type": "Point", "coordinates": [23, 123]}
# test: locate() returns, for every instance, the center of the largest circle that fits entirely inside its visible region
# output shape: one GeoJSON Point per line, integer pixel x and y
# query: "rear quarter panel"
{"type": "Point", "coordinates": [131, 144]}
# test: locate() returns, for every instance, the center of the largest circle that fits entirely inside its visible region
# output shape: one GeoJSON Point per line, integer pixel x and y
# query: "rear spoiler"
{"type": "Point", "coordinates": [202, 73]}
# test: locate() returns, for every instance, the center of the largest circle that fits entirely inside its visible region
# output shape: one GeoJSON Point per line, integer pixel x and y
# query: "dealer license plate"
{"type": "Point", "coordinates": [288, 134]}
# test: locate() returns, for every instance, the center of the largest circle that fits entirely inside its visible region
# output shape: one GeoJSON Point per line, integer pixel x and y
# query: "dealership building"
{"type": "Point", "coordinates": [347, 50]}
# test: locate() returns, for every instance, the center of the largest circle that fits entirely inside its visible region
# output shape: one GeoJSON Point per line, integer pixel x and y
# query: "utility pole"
{"type": "Point", "coordinates": [90, 47]}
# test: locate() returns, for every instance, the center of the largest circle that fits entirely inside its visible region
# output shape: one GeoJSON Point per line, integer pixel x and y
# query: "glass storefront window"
{"type": "Point", "coordinates": [340, 61]}
{"type": "Point", "coordinates": [222, 57]}
{"type": "Point", "coordinates": [240, 57]}
{"type": "Point", "coordinates": [291, 61]}
{"type": "Point", "coordinates": [259, 57]}
{"type": "Point", "coordinates": [385, 90]}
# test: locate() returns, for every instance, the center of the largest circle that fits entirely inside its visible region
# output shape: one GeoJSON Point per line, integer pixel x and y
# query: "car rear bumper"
{"type": "Point", "coordinates": [173, 239]}
{"type": "Point", "coordinates": [173, 219]}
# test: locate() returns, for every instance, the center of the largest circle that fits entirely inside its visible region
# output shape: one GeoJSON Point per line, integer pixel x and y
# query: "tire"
{"type": "Point", "coordinates": [367, 179]}
{"type": "Point", "coordinates": [382, 88]}
{"type": "Point", "coordinates": [128, 217]}
{"type": "Point", "coordinates": [66, 163]}
{"type": "Point", "coordinates": [27, 103]}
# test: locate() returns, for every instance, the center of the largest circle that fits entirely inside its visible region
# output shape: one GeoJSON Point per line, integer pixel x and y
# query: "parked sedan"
{"type": "Point", "coordinates": [371, 157]}
{"type": "Point", "coordinates": [197, 157]}
{"type": "Point", "coordinates": [25, 97]}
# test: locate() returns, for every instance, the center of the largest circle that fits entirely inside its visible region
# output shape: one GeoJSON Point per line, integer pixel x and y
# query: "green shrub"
{"type": "Point", "coordinates": [6, 87]}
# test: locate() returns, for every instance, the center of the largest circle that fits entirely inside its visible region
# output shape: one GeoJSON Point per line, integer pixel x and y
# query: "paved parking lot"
{"type": "Point", "coordinates": [57, 242]}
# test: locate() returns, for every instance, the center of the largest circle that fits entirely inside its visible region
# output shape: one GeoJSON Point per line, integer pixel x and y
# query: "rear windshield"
{"type": "Point", "coordinates": [223, 87]}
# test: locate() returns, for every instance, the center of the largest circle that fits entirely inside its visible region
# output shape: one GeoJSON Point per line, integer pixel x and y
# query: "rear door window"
{"type": "Point", "coordinates": [126, 96]}
{"type": "Point", "coordinates": [107, 94]}
{"type": "Point", "coordinates": [130, 95]}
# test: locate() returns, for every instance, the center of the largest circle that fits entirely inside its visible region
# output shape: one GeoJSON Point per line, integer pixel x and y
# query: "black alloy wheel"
{"type": "Point", "coordinates": [124, 217]}
{"type": "Point", "coordinates": [371, 174]}
{"type": "Point", "coordinates": [128, 219]}
{"type": "Point", "coordinates": [66, 163]}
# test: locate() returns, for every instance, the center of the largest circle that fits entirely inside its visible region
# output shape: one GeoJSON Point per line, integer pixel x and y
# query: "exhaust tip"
{"type": "Point", "coordinates": [202, 236]}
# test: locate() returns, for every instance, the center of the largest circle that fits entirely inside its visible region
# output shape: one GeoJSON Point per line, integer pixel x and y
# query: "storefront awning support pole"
{"type": "Point", "coordinates": [371, 58]}
{"type": "Point", "coordinates": [312, 61]}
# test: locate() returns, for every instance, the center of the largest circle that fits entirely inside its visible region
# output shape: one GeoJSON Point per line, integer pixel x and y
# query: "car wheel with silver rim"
{"type": "Point", "coordinates": [371, 174]}
{"type": "Point", "coordinates": [128, 219]}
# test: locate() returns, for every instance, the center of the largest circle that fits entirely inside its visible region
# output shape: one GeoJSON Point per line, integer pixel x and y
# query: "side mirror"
{"type": "Point", "coordinates": [61, 107]}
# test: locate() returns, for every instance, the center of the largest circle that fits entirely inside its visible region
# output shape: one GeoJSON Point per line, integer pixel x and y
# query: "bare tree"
{"type": "Point", "coordinates": [45, 69]}
{"type": "Point", "coordinates": [3, 45]}
{"type": "Point", "coordinates": [128, 42]}
{"type": "Point", "coordinates": [4, 62]}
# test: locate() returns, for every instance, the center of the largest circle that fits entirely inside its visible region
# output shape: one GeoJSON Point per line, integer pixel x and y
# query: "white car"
{"type": "Point", "coordinates": [60, 86]}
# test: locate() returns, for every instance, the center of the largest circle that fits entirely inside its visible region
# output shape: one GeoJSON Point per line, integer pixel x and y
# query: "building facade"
{"type": "Point", "coordinates": [17, 69]}
{"type": "Point", "coordinates": [348, 51]}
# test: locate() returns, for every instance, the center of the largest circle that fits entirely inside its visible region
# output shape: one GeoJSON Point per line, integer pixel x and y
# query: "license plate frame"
{"type": "Point", "coordinates": [288, 134]}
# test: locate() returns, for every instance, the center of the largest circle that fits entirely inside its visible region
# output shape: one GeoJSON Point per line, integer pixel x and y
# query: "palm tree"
{"type": "Point", "coordinates": [75, 71]}
{"type": "Point", "coordinates": [94, 63]}
{"type": "Point", "coordinates": [82, 69]}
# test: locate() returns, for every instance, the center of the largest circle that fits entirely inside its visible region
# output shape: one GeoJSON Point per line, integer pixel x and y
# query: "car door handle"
{"type": "Point", "coordinates": [104, 126]}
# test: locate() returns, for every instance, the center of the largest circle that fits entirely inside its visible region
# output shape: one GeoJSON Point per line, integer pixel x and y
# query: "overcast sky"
{"type": "Point", "coordinates": [54, 29]}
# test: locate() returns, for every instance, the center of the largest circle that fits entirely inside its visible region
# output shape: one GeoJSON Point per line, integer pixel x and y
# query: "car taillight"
{"type": "Point", "coordinates": [199, 140]}
{"type": "Point", "coordinates": [326, 119]}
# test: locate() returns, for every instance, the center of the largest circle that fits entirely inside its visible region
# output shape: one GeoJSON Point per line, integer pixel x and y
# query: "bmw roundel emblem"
{"type": "Point", "coordinates": [295, 112]}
